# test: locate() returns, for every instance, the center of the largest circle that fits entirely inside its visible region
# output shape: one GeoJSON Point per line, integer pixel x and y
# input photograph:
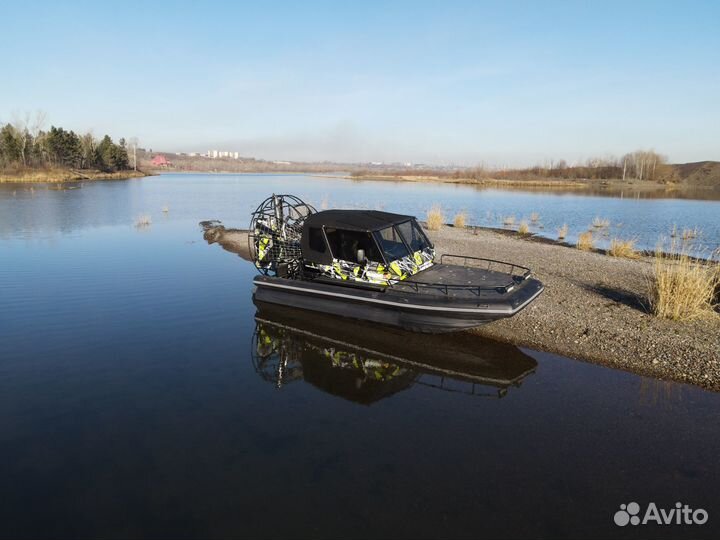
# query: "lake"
{"type": "Point", "coordinates": [143, 394]}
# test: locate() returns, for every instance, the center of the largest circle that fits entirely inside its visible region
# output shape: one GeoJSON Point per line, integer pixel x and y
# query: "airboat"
{"type": "Point", "coordinates": [377, 266]}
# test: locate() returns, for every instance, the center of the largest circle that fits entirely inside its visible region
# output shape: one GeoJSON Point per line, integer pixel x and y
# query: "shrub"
{"type": "Point", "coordinates": [523, 228]}
{"type": "Point", "coordinates": [585, 241]}
{"type": "Point", "coordinates": [143, 220]}
{"type": "Point", "coordinates": [681, 287]}
{"type": "Point", "coordinates": [690, 234]}
{"type": "Point", "coordinates": [435, 218]}
{"type": "Point", "coordinates": [623, 248]}
{"type": "Point", "coordinates": [459, 220]}
{"type": "Point", "coordinates": [600, 223]}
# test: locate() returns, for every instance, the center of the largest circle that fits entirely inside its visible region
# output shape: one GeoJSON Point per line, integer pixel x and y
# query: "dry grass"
{"type": "Point", "coordinates": [534, 217]}
{"type": "Point", "coordinates": [52, 175]}
{"type": "Point", "coordinates": [143, 221]}
{"type": "Point", "coordinates": [600, 223]}
{"type": "Point", "coordinates": [523, 228]}
{"type": "Point", "coordinates": [623, 248]}
{"type": "Point", "coordinates": [563, 231]}
{"type": "Point", "coordinates": [686, 234]}
{"type": "Point", "coordinates": [459, 220]}
{"type": "Point", "coordinates": [509, 221]}
{"type": "Point", "coordinates": [585, 241]}
{"type": "Point", "coordinates": [165, 209]}
{"type": "Point", "coordinates": [681, 287]}
{"type": "Point", "coordinates": [435, 218]}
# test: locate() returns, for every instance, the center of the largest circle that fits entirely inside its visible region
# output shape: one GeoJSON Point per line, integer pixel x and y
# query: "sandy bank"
{"type": "Point", "coordinates": [593, 307]}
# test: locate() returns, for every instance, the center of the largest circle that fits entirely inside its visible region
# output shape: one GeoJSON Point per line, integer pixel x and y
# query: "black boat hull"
{"type": "Point", "coordinates": [427, 313]}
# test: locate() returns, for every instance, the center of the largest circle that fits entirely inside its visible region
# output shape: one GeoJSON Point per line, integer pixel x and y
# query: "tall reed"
{"type": "Point", "coordinates": [585, 241]}
{"type": "Point", "coordinates": [623, 248]}
{"type": "Point", "coordinates": [459, 220]}
{"type": "Point", "coordinates": [143, 220]}
{"type": "Point", "coordinates": [683, 287]}
{"type": "Point", "coordinates": [435, 218]}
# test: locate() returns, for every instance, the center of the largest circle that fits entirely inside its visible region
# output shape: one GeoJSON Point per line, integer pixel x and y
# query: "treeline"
{"type": "Point", "coordinates": [638, 165]}
{"type": "Point", "coordinates": [22, 147]}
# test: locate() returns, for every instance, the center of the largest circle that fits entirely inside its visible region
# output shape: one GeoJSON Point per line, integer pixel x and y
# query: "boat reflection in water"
{"type": "Point", "coordinates": [365, 363]}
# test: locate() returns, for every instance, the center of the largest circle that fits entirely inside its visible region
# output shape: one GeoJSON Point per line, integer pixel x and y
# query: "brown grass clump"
{"type": "Point", "coordinates": [523, 228]}
{"type": "Point", "coordinates": [600, 223]}
{"type": "Point", "coordinates": [459, 220]}
{"type": "Point", "coordinates": [509, 221]}
{"type": "Point", "coordinates": [143, 221]}
{"type": "Point", "coordinates": [563, 231]}
{"type": "Point", "coordinates": [435, 218]}
{"type": "Point", "coordinates": [681, 287]}
{"type": "Point", "coordinates": [623, 248]}
{"type": "Point", "coordinates": [585, 241]}
{"type": "Point", "coordinates": [534, 217]}
{"type": "Point", "coordinates": [690, 234]}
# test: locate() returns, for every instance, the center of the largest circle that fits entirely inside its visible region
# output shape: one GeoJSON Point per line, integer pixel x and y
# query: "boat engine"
{"type": "Point", "coordinates": [275, 234]}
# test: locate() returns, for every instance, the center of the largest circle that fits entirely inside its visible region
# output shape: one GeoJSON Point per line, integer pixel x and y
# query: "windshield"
{"type": "Point", "coordinates": [413, 236]}
{"type": "Point", "coordinates": [391, 243]}
{"type": "Point", "coordinates": [344, 245]}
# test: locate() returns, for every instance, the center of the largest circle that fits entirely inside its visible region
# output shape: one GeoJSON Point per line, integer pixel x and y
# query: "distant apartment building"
{"type": "Point", "coordinates": [222, 154]}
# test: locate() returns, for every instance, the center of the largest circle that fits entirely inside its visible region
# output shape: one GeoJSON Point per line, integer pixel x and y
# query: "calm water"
{"type": "Point", "coordinates": [232, 197]}
{"type": "Point", "coordinates": [143, 394]}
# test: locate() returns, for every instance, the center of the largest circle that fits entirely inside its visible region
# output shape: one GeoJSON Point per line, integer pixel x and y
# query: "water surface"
{"type": "Point", "coordinates": [232, 197]}
{"type": "Point", "coordinates": [143, 394]}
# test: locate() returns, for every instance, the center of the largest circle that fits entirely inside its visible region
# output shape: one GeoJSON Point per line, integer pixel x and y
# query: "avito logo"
{"type": "Point", "coordinates": [680, 515]}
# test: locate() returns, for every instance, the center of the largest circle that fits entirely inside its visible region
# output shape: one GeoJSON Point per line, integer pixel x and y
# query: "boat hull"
{"type": "Point", "coordinates": [420, 313]}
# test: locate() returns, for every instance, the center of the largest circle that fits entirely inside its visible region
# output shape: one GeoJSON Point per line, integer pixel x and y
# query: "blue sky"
{"type": "Point", "coordinates": [506, 83]}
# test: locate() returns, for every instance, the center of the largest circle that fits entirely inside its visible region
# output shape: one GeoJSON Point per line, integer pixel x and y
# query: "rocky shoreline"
{"type": "Point", "coordinates": [594, 307]}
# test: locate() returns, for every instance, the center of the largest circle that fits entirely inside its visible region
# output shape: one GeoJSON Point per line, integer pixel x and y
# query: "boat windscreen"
{"type": "Point", "coordinates": [413, 236]}
{"type": "Point", "coordinates": [391, 243]}
{"type": "Point", "coordinates": [344, 245]}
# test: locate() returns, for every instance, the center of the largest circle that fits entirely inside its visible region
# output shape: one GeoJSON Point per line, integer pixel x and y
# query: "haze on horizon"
{"type": "Point", "coordinates": [512, 83]}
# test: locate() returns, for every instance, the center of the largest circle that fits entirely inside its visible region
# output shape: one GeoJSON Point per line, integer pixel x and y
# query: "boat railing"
{"type": "Point", "coordinates": [490, 265]}
{"type": "Point", "coordinates": [516, 273]}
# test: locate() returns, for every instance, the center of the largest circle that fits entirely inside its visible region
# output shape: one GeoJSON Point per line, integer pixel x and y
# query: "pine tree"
{"type": "Point", "coordinates": [9, 149]}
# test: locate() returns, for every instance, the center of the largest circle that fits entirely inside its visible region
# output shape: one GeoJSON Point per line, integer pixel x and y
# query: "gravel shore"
{"type": "Point", "coordinates": [594, 307]}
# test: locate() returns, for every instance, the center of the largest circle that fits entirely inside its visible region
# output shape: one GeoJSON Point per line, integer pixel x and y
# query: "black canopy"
{"type": "Point", "coordinates": [347, 220]}
{"type": "Point", "coordinates": [355, 220]}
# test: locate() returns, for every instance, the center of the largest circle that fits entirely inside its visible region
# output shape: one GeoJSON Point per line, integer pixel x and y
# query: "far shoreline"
{"type": "Point", "coordinates": [55, 176]}
{"type": "Point", "coordinates": [610, 187]}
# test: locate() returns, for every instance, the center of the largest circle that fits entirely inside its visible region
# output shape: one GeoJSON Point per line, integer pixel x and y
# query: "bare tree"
{"type": "Point", "coordinates": [133, 145]}
{"type": "Point", "coordinates": [624, 168]}
{"type": "Point", "coordinates": [20, 124]}
{"type": "Point", "coordinates": [38, 123]}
